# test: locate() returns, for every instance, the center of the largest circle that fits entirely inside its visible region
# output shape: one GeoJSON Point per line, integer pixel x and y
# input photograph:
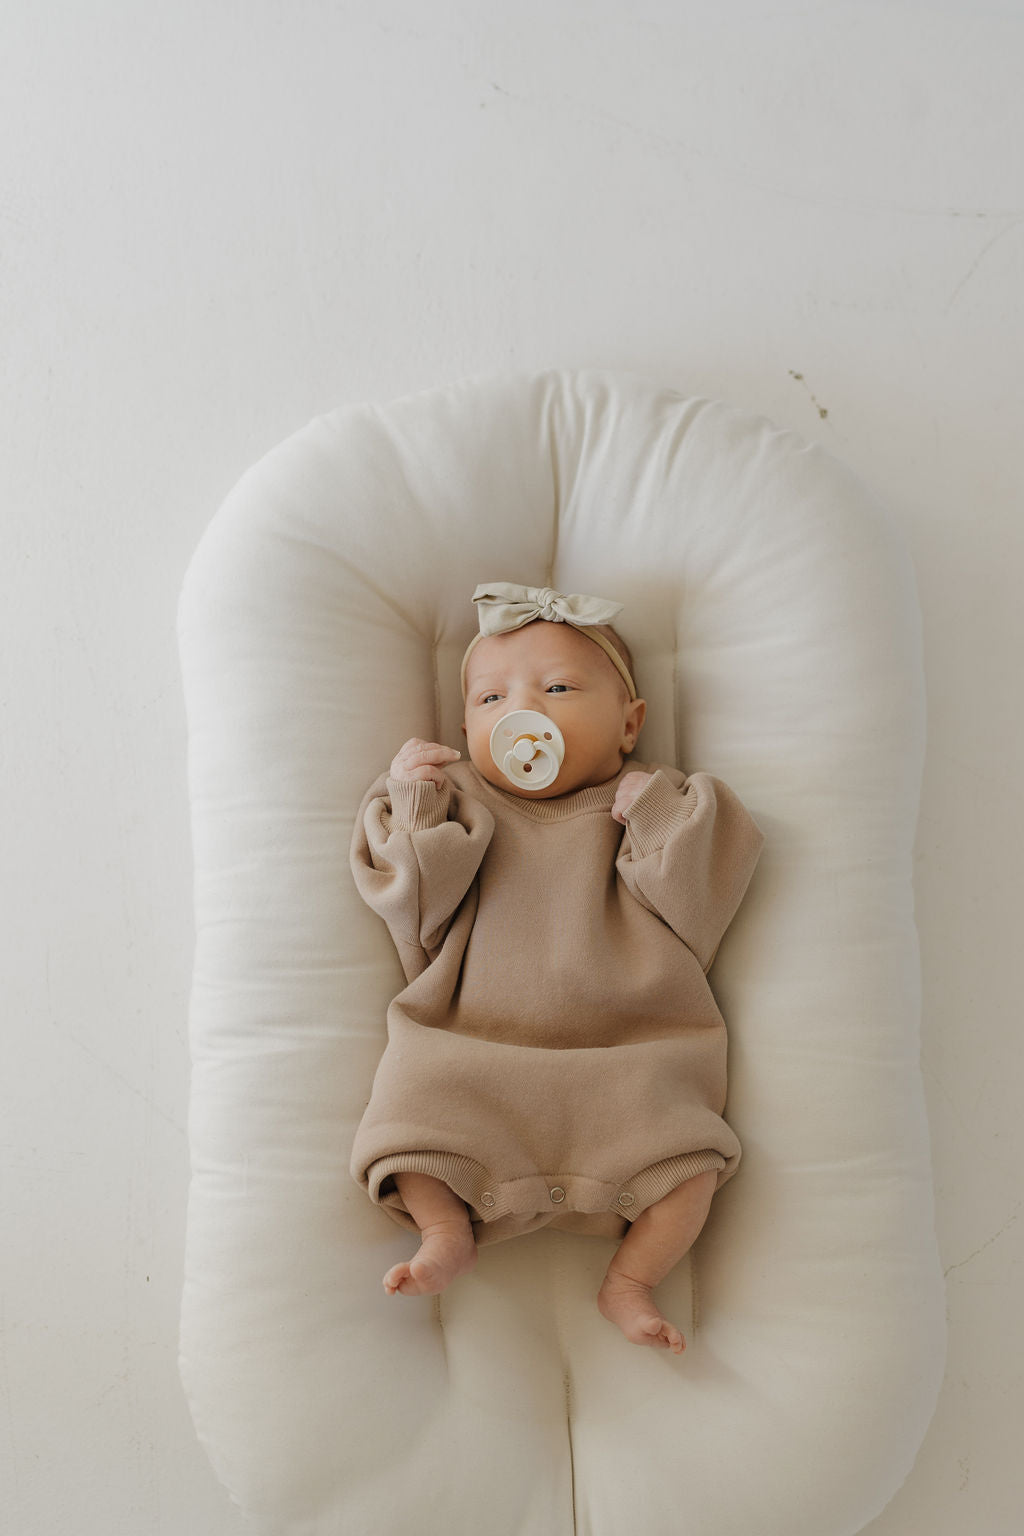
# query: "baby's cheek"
{"type": "Point", "coordinates": [477, 746]}
{"type": "Point", "coordinates": [480, 757]}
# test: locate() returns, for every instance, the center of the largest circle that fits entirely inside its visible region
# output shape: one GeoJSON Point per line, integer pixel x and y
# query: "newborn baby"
{"type": "Point", "coordinates": [557, 1057]}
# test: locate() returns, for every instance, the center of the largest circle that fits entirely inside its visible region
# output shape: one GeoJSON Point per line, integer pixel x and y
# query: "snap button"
{"type": "Point", "coordinates": [626, 1199]}
{"type": "Point", "coordinates": [558, 1194]}
{"type": "Point", "coordinates": [487, 1198]}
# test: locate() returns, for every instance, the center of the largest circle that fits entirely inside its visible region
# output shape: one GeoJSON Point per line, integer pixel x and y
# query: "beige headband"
{"type": "Point", "coordinates": [503, 606]}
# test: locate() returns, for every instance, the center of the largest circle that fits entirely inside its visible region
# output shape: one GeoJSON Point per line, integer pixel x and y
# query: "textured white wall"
{"type": "Point", "coordinates": [218, 220]}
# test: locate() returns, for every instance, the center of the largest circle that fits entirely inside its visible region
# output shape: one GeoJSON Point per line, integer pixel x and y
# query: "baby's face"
{"type": "Point", "coordinates": [556, 670]}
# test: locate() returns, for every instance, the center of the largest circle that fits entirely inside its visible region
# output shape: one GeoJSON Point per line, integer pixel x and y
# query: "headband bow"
{"type": "Point", "coordinates": [503, 606]}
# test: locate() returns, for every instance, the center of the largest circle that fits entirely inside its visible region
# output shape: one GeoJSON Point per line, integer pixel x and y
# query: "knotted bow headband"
{"type": "Point", "coordinates": [503, 606]}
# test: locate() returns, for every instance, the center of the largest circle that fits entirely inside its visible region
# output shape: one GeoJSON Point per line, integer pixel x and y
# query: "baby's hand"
{"type": "Point", "coordinates": [422, 760]}
{"type": "Point", "coordinates": [630, 786]}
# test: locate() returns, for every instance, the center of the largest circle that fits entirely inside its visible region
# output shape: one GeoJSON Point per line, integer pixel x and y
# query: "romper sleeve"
{"type": "Point", "coordinates": [415, 851]}
{"type": "Point", "coordinates": [687, 855]}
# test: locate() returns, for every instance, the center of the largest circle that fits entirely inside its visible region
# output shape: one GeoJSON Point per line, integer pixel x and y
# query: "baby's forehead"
{"type": "Point", "coordinates": [540, 644]}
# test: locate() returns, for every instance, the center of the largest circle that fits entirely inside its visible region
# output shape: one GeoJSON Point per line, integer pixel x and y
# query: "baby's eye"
{"type": "Point", "coordinates": [558, 688]}
{"type": "Point", "coordinates": [489, 698]}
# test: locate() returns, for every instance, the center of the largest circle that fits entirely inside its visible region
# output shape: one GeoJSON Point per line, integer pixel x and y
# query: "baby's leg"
{"type": "Point", "coordinates": [447, 1247]}
{"type": "Point", "coordinates": [654, 1244]}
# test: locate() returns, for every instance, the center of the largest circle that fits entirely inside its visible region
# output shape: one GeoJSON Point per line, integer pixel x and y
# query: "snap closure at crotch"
{"type": "Point", "coordinates": [487, 1198]}
{"type": "Point", "coordinates": [626, 1199]}
{"type": "Point", "coordinates": [558, 1194]}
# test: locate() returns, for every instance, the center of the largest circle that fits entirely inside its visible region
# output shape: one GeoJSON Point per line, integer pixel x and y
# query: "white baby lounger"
{"type": "Point", "coordinates": [773, 619]}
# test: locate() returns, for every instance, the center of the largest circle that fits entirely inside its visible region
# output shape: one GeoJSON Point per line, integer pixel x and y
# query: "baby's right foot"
{"type": "Point", "coordinates": [447, 1250]}
{"type": "Point", "coordinates": [629, 1305]}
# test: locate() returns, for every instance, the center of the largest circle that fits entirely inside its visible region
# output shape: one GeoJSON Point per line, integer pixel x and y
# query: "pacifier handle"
{"type": "Point", "coordinates": [525, 748]}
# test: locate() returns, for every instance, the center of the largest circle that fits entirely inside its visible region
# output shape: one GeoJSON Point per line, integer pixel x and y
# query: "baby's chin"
{"type": "Point", "coordinates": [563, 785]}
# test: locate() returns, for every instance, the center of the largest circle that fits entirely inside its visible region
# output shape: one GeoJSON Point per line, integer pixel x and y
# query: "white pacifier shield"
{"type": "Point", "coordinates": [528, 748]}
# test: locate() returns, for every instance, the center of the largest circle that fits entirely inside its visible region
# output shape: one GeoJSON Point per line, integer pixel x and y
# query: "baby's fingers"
{"type": "Point", "coordinates": [419, 759]}
{"type": "Point", "coordinates": [629, 790]}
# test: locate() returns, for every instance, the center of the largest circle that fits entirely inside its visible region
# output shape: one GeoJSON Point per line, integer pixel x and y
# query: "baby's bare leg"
{"type": "Point", "coordinates": [654, 1244]}
{"type": "Point", "coordinates": [447, 1246]}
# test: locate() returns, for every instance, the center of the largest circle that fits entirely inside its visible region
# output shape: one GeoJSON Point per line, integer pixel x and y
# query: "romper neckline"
{"type": "Point", "coordinates": [592, 797]}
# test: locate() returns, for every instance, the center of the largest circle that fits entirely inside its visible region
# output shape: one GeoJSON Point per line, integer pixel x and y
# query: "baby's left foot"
{"type": "Point", "coordinates": [629, 1304]}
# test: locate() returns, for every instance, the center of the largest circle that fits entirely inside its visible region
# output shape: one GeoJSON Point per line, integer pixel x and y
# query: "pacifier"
{"type": "Point", "coordinates": [528, 748]}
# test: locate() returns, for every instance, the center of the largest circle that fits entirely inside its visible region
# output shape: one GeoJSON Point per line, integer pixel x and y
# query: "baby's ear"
{"type": "Point", "coordinates": [633, 724]}
{"type": "Point", "coordinates": [462, 728]}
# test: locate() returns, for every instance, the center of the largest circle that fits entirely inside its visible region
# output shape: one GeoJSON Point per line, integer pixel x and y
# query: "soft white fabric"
{"type": "Point", "coordinates": [773, 618]}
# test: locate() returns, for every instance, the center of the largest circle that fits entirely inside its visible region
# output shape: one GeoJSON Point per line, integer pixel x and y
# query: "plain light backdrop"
{"type": "Point", "coordinates": [218, 220]}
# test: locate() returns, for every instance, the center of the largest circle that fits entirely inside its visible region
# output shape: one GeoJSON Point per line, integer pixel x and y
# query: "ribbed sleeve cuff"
{"type": "Point", "coordinates": [656, 812]}
{"type": "Point", "coordinates": [417, 804]}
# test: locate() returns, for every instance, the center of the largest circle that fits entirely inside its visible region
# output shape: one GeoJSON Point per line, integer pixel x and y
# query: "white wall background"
{"type": "Point", "coordinates": [217, 220]}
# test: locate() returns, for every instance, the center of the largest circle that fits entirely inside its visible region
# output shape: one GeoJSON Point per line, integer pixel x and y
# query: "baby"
{"type": "Point", "coordinates": [557, 1057]}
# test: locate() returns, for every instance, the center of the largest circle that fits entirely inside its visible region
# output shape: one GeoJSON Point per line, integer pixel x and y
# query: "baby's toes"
{"type": "Point", "coordinates": [654, 1331]}
{"type": "Point", "coordinates": [673, 1338]}
{"type": "Point", "coordinates": [394, 1277]}
{"type": "Point", "coordinates": [662, 1334]}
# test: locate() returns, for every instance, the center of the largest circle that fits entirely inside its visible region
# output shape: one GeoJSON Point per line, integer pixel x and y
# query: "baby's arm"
{"type": "Point", "coordinates": [416, 848]}
{"type": "Point", "coordinates": [688, 854]}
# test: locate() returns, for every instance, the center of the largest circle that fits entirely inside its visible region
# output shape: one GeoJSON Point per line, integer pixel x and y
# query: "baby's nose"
{"type": "Point", "coordinates": [530, 698]}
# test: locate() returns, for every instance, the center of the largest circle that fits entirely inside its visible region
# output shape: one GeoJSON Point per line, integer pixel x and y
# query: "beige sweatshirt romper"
{"type": "Point", "coordinates": [557, 1056]}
